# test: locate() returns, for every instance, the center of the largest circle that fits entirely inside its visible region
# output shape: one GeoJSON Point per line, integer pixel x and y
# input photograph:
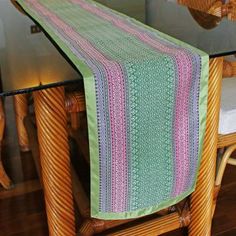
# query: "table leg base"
{"type": "Point", "coordinates": [52, 132]}
{"type": "Point", "coordinates": [202, 198]}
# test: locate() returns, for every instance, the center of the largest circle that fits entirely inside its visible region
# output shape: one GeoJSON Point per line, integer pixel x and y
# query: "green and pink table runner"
{"type": "Point", "coordinates": [146, 99]}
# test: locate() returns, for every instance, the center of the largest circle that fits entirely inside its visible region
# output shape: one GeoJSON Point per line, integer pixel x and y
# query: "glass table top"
{"type": "Point", "coordinates": [215, 36]}
{"type": "Point", "coordinates": [30, 61]}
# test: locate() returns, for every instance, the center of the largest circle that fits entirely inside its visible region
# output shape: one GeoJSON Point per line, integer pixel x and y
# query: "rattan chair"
{"type": "Point", "coordinates": [73, 104]}
{"type": "Point", "coordinates": [218, 8]}
{"type": "Point", "coordinates": [227, 128]}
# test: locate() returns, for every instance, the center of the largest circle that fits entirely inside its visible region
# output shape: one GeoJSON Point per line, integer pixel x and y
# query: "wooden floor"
{"type": "Point", "coordinates": [22, 210]}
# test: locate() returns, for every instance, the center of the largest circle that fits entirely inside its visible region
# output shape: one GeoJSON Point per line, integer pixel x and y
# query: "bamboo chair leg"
{"type": "Point", "coordinates": [4, 179]}
{"type": "Point", "coordinates": [21, 111]}
{"type": "Point", "coordinates": [55, 161]}
{"type": "Point", "coordinates": [225, 160]}
{"type": "Point", "coordinates": [202, 198]}
{"type": "Point", "coordinates": [75, 103]}
{"type": "Point", "coordinates": [220, 154]}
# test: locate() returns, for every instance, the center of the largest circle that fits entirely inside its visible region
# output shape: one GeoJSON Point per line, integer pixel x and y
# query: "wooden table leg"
{"type": "Point", "coordinates": [55, 162]}
{"type": "Point", "coordinates": [202, 198]}
{"type": "Point", "coordinates": [21, 111]}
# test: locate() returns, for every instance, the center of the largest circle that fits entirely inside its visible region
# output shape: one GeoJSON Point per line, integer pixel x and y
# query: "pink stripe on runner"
{"type": "Point", "coordinates": [181, 124]}
{"type": "Point", "coordinates": [117, 108]}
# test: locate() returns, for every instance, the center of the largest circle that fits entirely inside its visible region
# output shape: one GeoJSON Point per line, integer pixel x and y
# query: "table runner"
{"type": "Point", "coordinates": [146, 100]}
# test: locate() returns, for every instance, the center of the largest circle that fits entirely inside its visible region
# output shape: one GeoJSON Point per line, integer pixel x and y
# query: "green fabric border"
{"type": "Point", "coordinates": [203, 98]}
{"type": "Point", "coordinates": [141, 212]}
{"type": "Point", "coordinates": [89, 84]}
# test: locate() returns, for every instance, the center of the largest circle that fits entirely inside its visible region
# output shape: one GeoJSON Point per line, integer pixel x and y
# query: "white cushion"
{"type": "Point", "coordinates": [227, 123]}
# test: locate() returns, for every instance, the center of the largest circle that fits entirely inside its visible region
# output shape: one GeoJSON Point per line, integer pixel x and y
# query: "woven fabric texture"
{"type": "Point", "coordinates": [146, 99]}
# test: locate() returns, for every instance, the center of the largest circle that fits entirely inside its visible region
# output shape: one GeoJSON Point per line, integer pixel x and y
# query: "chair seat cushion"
{"type": "Point", "coordinates": [227, 123]}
